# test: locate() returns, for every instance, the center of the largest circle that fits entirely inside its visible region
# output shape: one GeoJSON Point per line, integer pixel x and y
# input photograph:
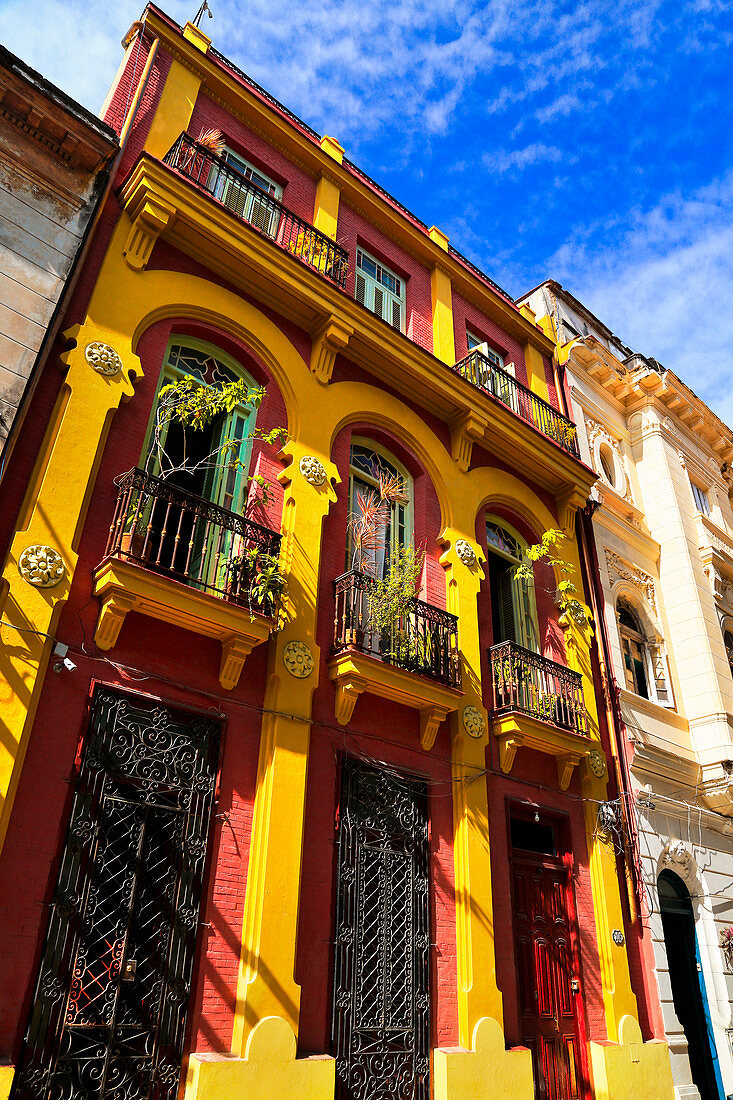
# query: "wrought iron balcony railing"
{"type": "Point", "coordinates": [253, 205]}
{"type": "Point", "coordinates": [174, 533]}
{"type": "Point", "coordinates": [524, 681]}
{"type": "Point", "coordinates": [423, 640]}
{"type": "Point", "coordinates": [479, 370]}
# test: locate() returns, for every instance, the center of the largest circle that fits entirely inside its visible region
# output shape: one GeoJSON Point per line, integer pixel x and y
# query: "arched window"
{"type": "Point", "coordinates": [645, 666]}
{"type": "Point", "coordinates": [513, 604]}
{"type": "Point", "coordinates": [634, 651]}
{"type": "Point", "coordinates": [378, 481]}
{"type": "Point", "coordinates": [211, 462]}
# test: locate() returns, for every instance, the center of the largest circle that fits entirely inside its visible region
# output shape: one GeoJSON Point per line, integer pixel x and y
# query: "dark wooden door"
{"type": "Point", "coordinates": [109, 1014]}
{"type": "Point", "coordinates": [381, 1002]}
{"type": "Point", "coordinates": [548, 976]}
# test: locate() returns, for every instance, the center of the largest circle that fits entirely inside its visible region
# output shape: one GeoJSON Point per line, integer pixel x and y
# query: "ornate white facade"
{"type": "Point", "coordinates": [664, 541]}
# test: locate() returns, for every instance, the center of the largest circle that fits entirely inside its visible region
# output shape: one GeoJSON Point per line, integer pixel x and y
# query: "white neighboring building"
{"type": "Point", "coordinates": [664, 539]}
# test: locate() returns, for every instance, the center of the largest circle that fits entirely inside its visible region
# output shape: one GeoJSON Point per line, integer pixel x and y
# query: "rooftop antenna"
{"type": "Point", "coordinates": [200, 13]}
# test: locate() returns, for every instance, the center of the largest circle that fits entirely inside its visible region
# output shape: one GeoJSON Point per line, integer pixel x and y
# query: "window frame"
{"type": "Point", "coordinates": [700, 498]}
{"type": "Point", "coordinates": [645, 645]}
{"type": "Point", "coordinates": [171, 372]}
{"type": "Point", "coordinates": [371, 284]}
{"type": "Point", "coordinates": [407, 524]}
{"type": "Point", "coordinates": [520, 626]}
{"type": "Point", "coordinates": [268, 221]}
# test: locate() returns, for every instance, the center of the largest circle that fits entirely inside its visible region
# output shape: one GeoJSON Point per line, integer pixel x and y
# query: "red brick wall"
{"type": "Point", "coordinates": [354, 230]}
{"type": "Point", "coordinates": [467, 316]}
{"type": "Point", "coordinates": [299, 189]}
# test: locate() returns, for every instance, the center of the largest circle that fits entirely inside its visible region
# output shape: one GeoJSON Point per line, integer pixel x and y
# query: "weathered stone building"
{"type": "Point", "coordinates": [55, 159]}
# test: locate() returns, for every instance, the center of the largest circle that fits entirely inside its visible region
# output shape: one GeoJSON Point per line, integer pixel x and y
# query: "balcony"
{"type": "Point", "coordinates": [479, 370]}
{"type": "Point", "coordinates": [414, 662]}
{"type": "Point", "coordinates": [259, 209]}
{"type": "Point", "coordinates": [538, 704]}
{"type": "Point", "coordinates": [183, 560]}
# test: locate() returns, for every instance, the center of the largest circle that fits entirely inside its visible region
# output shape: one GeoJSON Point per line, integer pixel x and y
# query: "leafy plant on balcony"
{"type": "Point", "coordinates": [256, 576]}
{"type": "Point", "coordinates": [566, 599]}
{"type": "Point", "coordinates": [391, 609]}
{"type": "Point", "coordinates": [319, 252]}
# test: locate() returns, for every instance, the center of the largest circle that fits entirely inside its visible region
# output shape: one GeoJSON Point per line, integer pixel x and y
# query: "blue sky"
{"type": "Point", "coordinates": [588, 142]}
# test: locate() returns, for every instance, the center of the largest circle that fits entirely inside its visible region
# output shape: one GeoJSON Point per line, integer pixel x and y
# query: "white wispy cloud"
{"type": "Point", "coordinates": [535, 153]}
{"type": "Point", "coordinates": [664, 283]}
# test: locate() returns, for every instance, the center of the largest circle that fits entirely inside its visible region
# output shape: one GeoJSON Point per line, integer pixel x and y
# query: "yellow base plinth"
{"type": "Point", "coordinates": [268, 1071]}
{"type": "Point", "coordinates": [631, 1068]}
{"type": "Point", "coordinates": [488, 1072]}
{"type": "Point", "coordinates": [6, 1080]}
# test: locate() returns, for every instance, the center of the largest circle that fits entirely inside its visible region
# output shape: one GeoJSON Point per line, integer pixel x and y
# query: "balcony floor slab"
{"type": "Point", "coordinates": [515, 730]}
{"type": "Point", "coordinates": [123, 586]}
{"type": "Point", "coordinates": [354, 673]}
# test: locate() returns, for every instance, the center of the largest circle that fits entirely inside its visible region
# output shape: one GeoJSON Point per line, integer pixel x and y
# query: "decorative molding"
{"type": "Point", "coordinates": [312, 470]}
{"type": "Point", "coordinates": [298, 660]}
{"type": "Point", "coordinates": [148, 223]}
{"type": "Point", "coordinates": [621, 570]}
{"type": "Point", "coordinates": [103, 358]}
{"type": "Point", "coordinates": [677, 857]}
{"type": "Point", "coordinates": [464, 431]}
{"type": "Point", "coordinates": [467, 554]}
{"type": "Point", "coordinates": [568, 503]}
{"type": "Point", "coordinates": [328, 340]}
{"type": "Point", "coordinates": [721, 586]}
{"type": "Point", "coordinates": [41, 566]}
{"type": "Point", "coordinates": [597, 763]}
{"type": "Point", "coordinates": [473, 722]}
{"type": "Point", "coordinates": [595, 429]}
{"type": "Point", "coordinates": [597, 434]}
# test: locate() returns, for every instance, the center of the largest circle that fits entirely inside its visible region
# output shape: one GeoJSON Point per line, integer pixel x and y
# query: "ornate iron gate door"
{"type": "Point", "coordinates": [381, 1005]}
{"type": "Point", "coordinates": [109, 1014]}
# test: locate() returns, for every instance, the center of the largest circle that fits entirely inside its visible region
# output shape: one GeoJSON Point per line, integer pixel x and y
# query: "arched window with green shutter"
{"type": "Point", "coordinates": [513, 604]}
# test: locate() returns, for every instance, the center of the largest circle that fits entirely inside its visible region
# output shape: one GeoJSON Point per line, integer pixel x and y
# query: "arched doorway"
{"type": "Point", "coordinates": [688, 984]}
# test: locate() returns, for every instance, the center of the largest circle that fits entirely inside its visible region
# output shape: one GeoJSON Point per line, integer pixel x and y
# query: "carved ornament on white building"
{"type": "Point", "coordinates": [621, 570]}
{"type": "Point", "coordinates": [103, 359]}
{"type": "Point", "coordinates": [312, 470]}
{"type": "Point", "coordinates": [598, 437]}
{"type": "Point", "coordinates": [41, 566]}
{"type": "Point", "coordinates": [677, 857]}
{"type": "Point", "coordinates": [722, 588]}
{"type": "Point", "coordinates": [466, 552]}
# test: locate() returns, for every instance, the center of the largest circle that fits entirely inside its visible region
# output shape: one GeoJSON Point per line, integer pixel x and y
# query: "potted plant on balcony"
{"type": "Point", "coordinates": [255, 577]}
{"type": "Point", "coordinates": [391, 608]}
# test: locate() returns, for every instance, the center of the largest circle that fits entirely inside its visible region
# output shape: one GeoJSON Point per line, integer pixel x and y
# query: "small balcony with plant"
{"type": "Point", "coordinates": [202, 162]}
{"type": "Point", "coordinates": [183, 558]}
{"type": "Point", "coordinates": [537, 702]}
{"type": "Point", "coordinates": [501, 386]}
{"type": "Point", "coordinates": [386, 640]}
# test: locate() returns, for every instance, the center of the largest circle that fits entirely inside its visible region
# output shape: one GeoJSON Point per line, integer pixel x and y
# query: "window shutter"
{"type": "Point", "coordinates": [506, 607]}
{"type": "Point", "coordinates": [235, 197]}
{"type": "Point", "coordinates": [261, 215]}
{"type": "Point", "coordinates": [378, 302]}
{"type": "Point", "coordinates": [397, 315]}
{"type": "Point", "coordinates": [523, 603]}
{"type": "Point", "coordinates": [360, 290]}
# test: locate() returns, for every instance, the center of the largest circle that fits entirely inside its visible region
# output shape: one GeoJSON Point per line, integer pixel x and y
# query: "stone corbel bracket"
{"type": "Point", "coordinates": [353, 673]}
{"type": "Point", "coordinates": [568, 503]}
{"type": "Point", "coordinates": [465, 430]}
{"type": "Point", "coordinates": [148, 222]}
{"type": "Point", "coordinates": [517, 730]}
{"type": "Point", "coordinates": [328, 340]}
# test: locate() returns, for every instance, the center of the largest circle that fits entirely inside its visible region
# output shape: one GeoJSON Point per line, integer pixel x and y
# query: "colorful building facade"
{"type": "Point", "coordinates": [663, 538]}
{"type": "Point", "coordinates": [304, 843]}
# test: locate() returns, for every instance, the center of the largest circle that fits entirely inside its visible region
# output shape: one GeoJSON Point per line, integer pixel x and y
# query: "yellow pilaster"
{"type": "Point", "coordinates": [444, 346]}
{"type": "Point", "coordinates": [442, 303]}
{"type": "Point", "coordinates": [52, 517]}
{"type": "Point", "coordinates": [326, 208]}
{"type": "Point", "coordinates": [536, 371]}
{"type": "Point", "coordinates": [174, 110]}
{"type": "Point", "coordinates": [267, 985]}
{"type": "Point", "coordinates": [483, 1067]}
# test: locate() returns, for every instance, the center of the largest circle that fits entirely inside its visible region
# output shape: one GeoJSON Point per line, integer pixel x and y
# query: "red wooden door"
{"type": "Point", "coordinates": [548, 976]}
